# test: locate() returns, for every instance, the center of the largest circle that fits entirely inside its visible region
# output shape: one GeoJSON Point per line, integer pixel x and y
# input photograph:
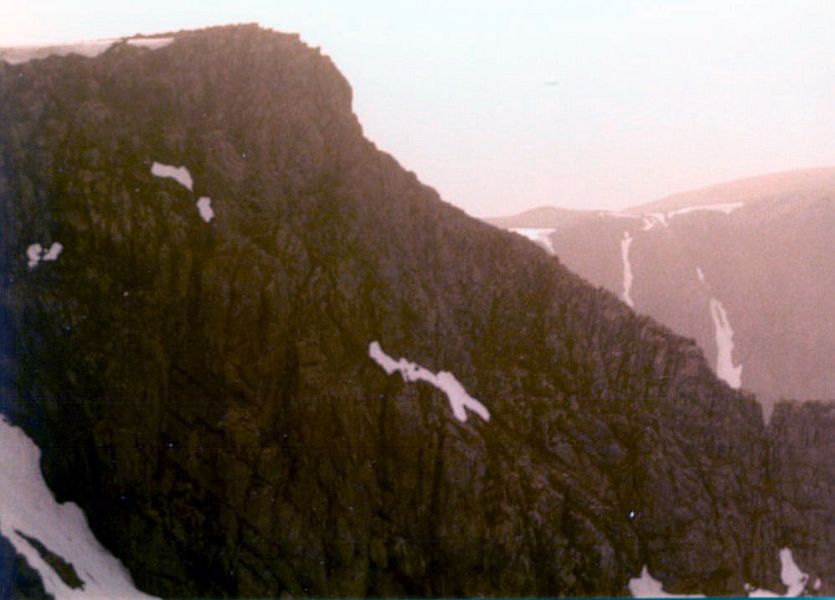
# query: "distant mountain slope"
{"type": "Point", "coordinates": [798, 184]}
{"type": "Point", "coordinates": [745, 266]}
{"type": "Point", "coordinates": [210, 278]}
{"type": "Point", "coordinates": [545, 216]}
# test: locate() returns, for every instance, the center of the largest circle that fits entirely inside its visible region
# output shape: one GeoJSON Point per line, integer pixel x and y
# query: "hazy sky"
{"type": "Point", "coordinates": [503, 106]}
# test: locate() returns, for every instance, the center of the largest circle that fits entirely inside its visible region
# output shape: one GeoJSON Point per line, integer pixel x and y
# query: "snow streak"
{"type": "Point", "coordinates": [179, 174]}
{"type": "Point", "coordinates": [445, 381]}
{"type": "Point", "coordinates": [151, 43]}
{"type": "Point", "coordinates": [625, 243]}
{"type": "Point", "coordinates": [725, 368]}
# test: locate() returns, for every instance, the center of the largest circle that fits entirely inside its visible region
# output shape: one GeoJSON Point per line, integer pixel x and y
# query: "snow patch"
{"type": "Point", "coordinates": [35, 253]}
{"type": "Point", "coordinates": [540, 236]}
{"type": "Point", "coordinates": [758, 593]}
{"type": "Point", "coordinates": [727, 208]}
{"type": "Point", "coordinates": [653, 219]}
{"type": "Point", "coordinates": [617, 215]}
{"type": "Point", "coordinates": [445, 381]}
{"type": "Point", "coordinates": [204, 207]}
{"type": "Point", "coordinates": [792, 577]}
{"type": "Point", "coordinates": [54, 251]}
{"type": "Point", "coordinates": [660, 218]}
{"type": "Point", "coordinates": [646, 586]}
{"type": "Point", "coordinates": [625, 243]}
{"type": "Point", "coordinates": [725, 368]}
{"type": "Point", "coordinates": [27, 506]}
{"type": "Point", "coordinates": [179, 174]}
{"type": "Point", "coordinates": [795, 580]}
{"type": "Point", "coordinates": [151, 43]}
{"type": "Point", "coordinates": [700, 274]}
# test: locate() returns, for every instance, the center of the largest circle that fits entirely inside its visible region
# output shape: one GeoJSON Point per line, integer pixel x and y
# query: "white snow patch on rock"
{"type": "Point", "coordinates": [660, 218]}
{"type": "Point", "coordinates": [27, 506]}
{"type": "Point", "coordinates": [725, 368]}
{"type": "Point", "coordinates": [646, 586]}
{"type": "Point", "coordinates": [35, 253]}
{"type": "Point", "coordinates": [204, 207]}
{"type": "Point", "coordinates": [653, 219]}
{"type": "Point", "coordinates": [758, 593]}
{"type": "Point", "coordinates": [795, 580]}
{"type": "Point", "coordinates": [727, 208]}
{"type": "Point", "coordinates": [617, 215]}
{"type": "Point", "coordinates": [792, 577]}
{"type": "Point", "coordinates": [625, 243]}
{"type": "Point", "coordinates": [54, 251]}
{"type": "Point", "coordinates": [179, 174]}
{"type": "Point", "coordinates": [151, 43]}
{"type": "Point", "coordinates": [700, 274]}
{"type": "Point", "coordinates": [458, 397]}
{"type": "Point", "coordinates": [540, 236]}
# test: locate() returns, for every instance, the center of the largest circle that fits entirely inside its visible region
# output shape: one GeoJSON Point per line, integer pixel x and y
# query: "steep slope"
{"type": "Point", "coordinates": [744, 268]}
{"type": "Point", "coordinates": [802, 475]}
{"type": "Point", "coordinates": [217, 388]}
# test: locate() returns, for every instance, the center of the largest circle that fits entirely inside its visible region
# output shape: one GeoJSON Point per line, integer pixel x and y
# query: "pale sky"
{"type": "Point", "coordinates": [504, 106]}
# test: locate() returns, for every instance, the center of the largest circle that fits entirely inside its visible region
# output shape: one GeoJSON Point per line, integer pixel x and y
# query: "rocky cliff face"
{"type": "Point", "coordinates": [802, 475]}
{"type": "Point", "coordinates": [201, 383]}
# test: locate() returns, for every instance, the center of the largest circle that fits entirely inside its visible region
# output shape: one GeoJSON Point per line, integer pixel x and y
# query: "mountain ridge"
{"type": "Point", "coordinates": [774, 183]}
{"type": "Point", "coordinates": [230, 433]}
{"type": "Point", "coordinates": [747, 189]}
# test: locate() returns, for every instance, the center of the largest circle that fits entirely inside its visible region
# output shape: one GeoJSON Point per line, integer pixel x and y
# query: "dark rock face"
{"type": "Point", "coordinates": [17, 579]}
{"type": "Point", "coordinates": [802, 473]}
{"type": "Point", "coordinates": [204, 390]}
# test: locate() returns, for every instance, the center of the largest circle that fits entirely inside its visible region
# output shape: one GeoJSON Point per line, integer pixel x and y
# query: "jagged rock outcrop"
{"type": "Point", "coordinates": [204, 389]}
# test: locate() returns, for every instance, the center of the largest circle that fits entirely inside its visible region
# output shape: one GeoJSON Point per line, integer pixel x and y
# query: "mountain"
{"type": "Point", "coordinates": [265, 360]}
{"type": "Point", "coordinates": [743, 268]}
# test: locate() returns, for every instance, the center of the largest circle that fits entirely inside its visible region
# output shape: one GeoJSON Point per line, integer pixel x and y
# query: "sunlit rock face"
{"type": "Point", "coordinates": [206, 389]}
